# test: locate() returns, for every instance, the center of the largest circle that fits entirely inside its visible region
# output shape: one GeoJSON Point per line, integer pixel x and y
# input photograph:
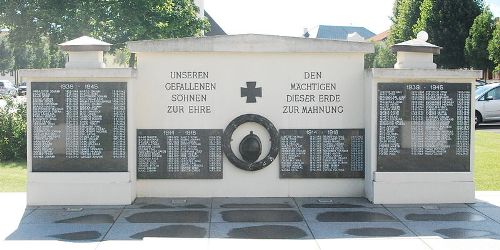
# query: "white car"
{"type": "Point", "coordinates": [487, 103]}
{"type": "Point", "coordinates": [7, 88]}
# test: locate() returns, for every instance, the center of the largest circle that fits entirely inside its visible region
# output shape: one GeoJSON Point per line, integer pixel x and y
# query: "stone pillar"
{"type": "Point", "coordinates": [79, 124]}
{"type": "Point", "coordinates": [419, 129]}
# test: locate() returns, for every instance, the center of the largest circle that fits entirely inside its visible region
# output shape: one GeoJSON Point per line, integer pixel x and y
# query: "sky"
{"type": "Point", "coordinates": [290, 17]}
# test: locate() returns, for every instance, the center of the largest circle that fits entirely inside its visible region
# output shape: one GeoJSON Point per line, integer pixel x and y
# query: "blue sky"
{"type": "Point", "coordinates": [290, 17]}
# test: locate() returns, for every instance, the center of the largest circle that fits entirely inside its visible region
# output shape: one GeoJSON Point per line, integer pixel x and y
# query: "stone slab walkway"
{"type": "Point", "coordinates": [251, 223]}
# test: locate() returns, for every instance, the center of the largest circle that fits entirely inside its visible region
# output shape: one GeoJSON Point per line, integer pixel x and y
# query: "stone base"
{"type": "Point", "coordinates": [80, 189]}
{"type": "Point", "coordinates": [412, 188]}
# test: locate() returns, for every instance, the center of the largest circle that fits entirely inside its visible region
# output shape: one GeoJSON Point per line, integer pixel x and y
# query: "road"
{"type": "Point", "coordinates": [490, 127]}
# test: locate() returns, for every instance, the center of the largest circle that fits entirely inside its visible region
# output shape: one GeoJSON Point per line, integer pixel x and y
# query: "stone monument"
{"type": "Point", "coordinates": [249, 116]}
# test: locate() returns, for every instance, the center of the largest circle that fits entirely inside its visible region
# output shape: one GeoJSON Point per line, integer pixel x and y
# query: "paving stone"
{"type": "Point", "coordinates": [438, 215]}
{"type": "Point", "coordinates": [456, 230]}
{"type": "Point", "coordinates": [491, 212]}
{"type": "Point", "coordinates": [253, 203]}
{"type": "Point", "coordinates": [87, 216]}
{"type": "Point", "coordinates": [348, 215]}
{"type": "Point", "coordinates": [170, 203]}
{"type": "Point", "coordinates": [260, 230]}
{"type": "Point", "coordinates": [63, 232]}
{"type": "Point", "coordinates": [140, 231]}
{"type": "Point", "coordinates": [333, 202]}
{"type": "Point", "coordinates": [359, 230]}
{"type": "Point", "coordinates": [164, 216]}
{"type": "Point", "coordinates": [260, 215]}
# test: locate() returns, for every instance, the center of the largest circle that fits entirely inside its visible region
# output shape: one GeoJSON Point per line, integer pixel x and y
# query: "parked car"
{"type": "Point", "coordinates": [487, 103]}
{"type": "Point", "coordinates": [7, 88]}
{"type": "Point", "coordinates": [21, 89]}
{"type": "Point", "coordinates": [480, 83]}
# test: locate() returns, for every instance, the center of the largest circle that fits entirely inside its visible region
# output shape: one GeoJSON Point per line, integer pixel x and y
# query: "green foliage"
{"type": "Point", "coordinates": [494, 46]}
{"type": "Point", "coordinates": [448, 23]}
{"type": "Point", "coordinates": [476, 44]}
{"type": "Point", "coordinates": [6, 56]}
{"type": "Point", "coordinates": [112, 21]}
{"type": "Point", "coordinates": [406, 14]}
{"type": "Point", "coordinates": [382, 58]}
{"type": "Point", "coordinates": [122, 56]}
{"type": "Point", "coordinates": [13, 130]}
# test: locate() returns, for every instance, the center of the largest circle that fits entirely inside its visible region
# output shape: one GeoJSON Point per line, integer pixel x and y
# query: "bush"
{"type": "Point", "coordinates": [13, 125]}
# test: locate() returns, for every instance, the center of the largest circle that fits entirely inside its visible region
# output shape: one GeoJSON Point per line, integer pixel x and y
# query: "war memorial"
{"type": "Point", "coordinates": [249, 116]}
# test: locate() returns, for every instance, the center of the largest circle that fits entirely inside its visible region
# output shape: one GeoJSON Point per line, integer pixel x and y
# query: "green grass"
{"type": "Point", "coordinates": [486, 172]}
{"type": "Point", "coordinates": [12, 176]}
{"type": "Point", "coordinates": [487, 161]}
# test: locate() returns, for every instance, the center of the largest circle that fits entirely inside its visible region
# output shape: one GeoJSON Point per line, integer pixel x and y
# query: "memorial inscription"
{"type": "Point", "coordinates": [79, 127]}
{"type": "Point", "coordinates": [424, 127]}
{"type": "Point", "coordinates": [322, 153]}
{"type": "Point", "coordinates": [179, 154]}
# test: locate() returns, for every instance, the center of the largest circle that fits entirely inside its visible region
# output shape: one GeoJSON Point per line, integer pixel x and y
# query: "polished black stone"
{"type": "Point", "coordinates": [422, 158]}
{"type": "Point", "coordinates": [267, 232]}
{"type": "Point", "coordinates": [331, 205]}
{"type": "Point", "coordinates": [464, 233]}
{"type": "Point", "coordinates": [256, 205]}
{"type": "Point", "coordinates": [169, 217]}
{"type": "Point", "coordinates": [250, 147]}
{"type": "Point", "coordinates": [77, 236]}
{"type": "Point", "coordinates": [322, 153]}
{"type": "Point", "coordinates": [375, 232]}
{"type": "Point", "coordinates": [89, 219]}
{"type": "Point", "coordinates": [204, 149]}
{"type": "Point", "coordinates": [173, 231]}
{"type": "Point", "coordinates": [251, 92]}
{"type": "Point", "coordinates": [261, 216]}
{"type": "Point", "coordinates": [354, 216]}
{"type": "Point", "coordinates": [240, 163]}
{"type": "Point", "coordinates": [456, 216]}
{"type": "Point", "coordinates": [162, 206]}
{"type": "Point", "coordinates": [59, 93]}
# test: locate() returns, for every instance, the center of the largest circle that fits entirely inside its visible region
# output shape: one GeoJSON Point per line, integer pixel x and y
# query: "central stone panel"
{"type": "Point", "coordinates": [290, 123]}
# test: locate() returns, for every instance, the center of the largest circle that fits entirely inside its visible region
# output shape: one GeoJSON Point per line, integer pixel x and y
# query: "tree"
{"type": "Point", "coordinates": [6, 56]}
{"type": "Point", "coordinates": [406, 14]}
{"type": "Point", "coordinates": [448, 23]}
{"type": "Point", "coordinates": [494, 46]}
{"type": "Point", "coordinates": [383, 57]}
{"type": "Point", "coordinates": [476, 44]}
{"type": "Point", "coordinates": [113, 21]}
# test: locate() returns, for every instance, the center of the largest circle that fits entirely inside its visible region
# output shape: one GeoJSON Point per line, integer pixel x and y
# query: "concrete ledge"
{"type": "Point", "coordinates": [399, 177]}
{"type": "Point", "coordinates": [423, 192]}
{"type": "Point", "coordinates": [80, 189]}
{"type": "Point", "coordinates": [413, 75]}
{"type": "Point", "coordinates": [78, 177]}
{"type": "Point", "coordinates": [249, 43]}
{"type": "Point", "coordinates": [78, 73]}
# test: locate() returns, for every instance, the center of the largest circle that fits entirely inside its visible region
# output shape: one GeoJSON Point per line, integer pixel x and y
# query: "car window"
{"type": "Point", "coordinates": [1, 84]}
{"type": "Point", "coordinates": [494, 94]}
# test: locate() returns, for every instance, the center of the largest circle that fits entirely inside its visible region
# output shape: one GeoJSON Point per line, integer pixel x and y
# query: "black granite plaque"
{"type": "Point", "coordinates": [179, 153]}
{"type": "Point", "coordinates": [423, 127]}
{"type": "Point", "coordinates": [79, 127]}
{"type": "Point", "coordinates": [322, 153]}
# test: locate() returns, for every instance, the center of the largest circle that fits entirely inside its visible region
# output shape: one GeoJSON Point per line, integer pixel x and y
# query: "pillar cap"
{"type": "Point", "coordinates": [85, 43]}
{"type": "Point", "coordinates": [418, 45]}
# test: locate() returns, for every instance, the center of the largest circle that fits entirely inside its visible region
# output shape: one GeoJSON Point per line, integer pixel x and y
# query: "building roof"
{"type": "Point", "coordinates": [215, 29]}
{"type": "Point", "coordinates": [341, 32]}
{"type": "Point", "coordinates": [380, 37]}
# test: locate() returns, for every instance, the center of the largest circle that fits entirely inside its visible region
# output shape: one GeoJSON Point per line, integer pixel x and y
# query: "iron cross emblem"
{"type": "Point", "coordinates": [251, 92]}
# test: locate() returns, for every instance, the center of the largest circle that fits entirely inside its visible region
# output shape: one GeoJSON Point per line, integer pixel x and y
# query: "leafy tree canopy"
{"type": "Point", "coordinates": [494, 46]}
{"type": "Point", "coordinates": [476, 44]}
{"type": "Point", "coordinates": [448, 23]}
